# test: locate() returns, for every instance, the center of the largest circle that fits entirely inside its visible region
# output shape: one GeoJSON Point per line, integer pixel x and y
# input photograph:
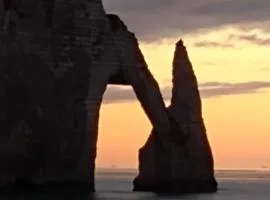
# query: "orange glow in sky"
{"type": "Point", "coordinates": [238, 125]}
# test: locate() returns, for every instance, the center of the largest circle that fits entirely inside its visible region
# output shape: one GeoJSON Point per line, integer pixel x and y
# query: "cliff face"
{"type": "Point", "coordinates": [46, 52]}
{"type": "Point", "coordinates": [57, 57]}
{"type": "Point", "coordinates": [188, 167]}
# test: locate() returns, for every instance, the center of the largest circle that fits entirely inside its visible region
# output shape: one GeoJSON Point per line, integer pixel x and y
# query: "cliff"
{"type": "Point", "coordinates": [46, 49]}
{"type": "Point", "coordinates": [57, 57]}
{"type": "Point", "coordinates": [188, 167]}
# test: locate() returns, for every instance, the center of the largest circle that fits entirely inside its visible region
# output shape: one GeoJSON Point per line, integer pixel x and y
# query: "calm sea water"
{"type": "Point", "coordinates": [116, 184]}
{"type": "Point", "coordinates": [233, 185]}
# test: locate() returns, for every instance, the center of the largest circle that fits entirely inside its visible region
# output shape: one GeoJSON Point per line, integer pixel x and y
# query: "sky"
{"type": "Point", "coordinates": [228, 44]}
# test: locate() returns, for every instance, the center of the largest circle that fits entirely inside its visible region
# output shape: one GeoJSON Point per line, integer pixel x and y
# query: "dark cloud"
{"type": "Point", "coordinates": [207, 90]}
{"type": "Point", "coordinates": [152, 20]}
{"type": "Point", "coordinates": [252, 38]}
{"type": "Point", "coordinates": [212, 44]}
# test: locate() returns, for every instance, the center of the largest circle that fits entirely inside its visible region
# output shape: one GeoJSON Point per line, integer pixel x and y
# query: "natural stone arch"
{"type": "Point", "coordinates": [61, 121]}
{"type": "Point", "coordinates": [127, 67]}
{"type": "Point", "coordinates": [57, 114]}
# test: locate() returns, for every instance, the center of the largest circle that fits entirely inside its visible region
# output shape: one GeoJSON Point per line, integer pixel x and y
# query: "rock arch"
{"type": "Point", "coordinates": [58, 112]}
{"type": "Point", "coordinates": [52, 79]}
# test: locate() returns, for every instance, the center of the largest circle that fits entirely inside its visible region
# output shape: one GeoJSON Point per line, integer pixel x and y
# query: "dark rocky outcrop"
{"type": "Point", "coordinates": [188, 167]}
{"type": "Point", "coordinates": [57, 57]}
{"type": "Point", "coordinates": [46, 50]}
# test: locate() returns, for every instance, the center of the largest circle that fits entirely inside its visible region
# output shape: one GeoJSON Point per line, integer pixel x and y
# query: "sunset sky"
{"type": "Point", "coordinates": [228, 43]}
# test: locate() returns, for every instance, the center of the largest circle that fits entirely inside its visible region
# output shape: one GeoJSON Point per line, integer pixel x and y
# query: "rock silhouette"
{"type": "Point", "coordinates": [188, 167]}
{"type": "Point", "coordinates": [46, 51]}
{"type": "Point", "coordinates": [57, 57]}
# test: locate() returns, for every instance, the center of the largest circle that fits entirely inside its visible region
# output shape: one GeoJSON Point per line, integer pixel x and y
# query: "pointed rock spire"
{"type": "Point", "coordinates": [188, 167]}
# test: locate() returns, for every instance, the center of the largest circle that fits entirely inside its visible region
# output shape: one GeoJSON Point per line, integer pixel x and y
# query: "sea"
{"type": "Point", "coordinates": [234, 184]}
{"type": "Point", "coordinates": [116, 184]}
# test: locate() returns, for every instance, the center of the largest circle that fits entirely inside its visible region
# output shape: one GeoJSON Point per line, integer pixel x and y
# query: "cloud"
{"type": "Point", "coordinates": [115, 94]}
{"type": "Point", "coordinates": [153, 20]}
{"type": "Point", "coordinates": [119, 94]}
{"type": "Point", "coordinates": [207, 90]}
{"type": "Point", "coordinates": [212, 44]}
{"type": "Point", "coordinates": [252, 38]}
{"type": "Point", "coordinates": [214, 89]}
{"type": "Point", "coordinates": [260, 39]}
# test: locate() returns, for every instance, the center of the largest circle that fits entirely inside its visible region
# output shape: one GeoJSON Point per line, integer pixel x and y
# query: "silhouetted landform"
{"type": "Point", "coordinates": [47, 48]}
{"type": "Point", "coordinates": [57, 57]}
{"type": "Point", "coordinates": [188, 167]}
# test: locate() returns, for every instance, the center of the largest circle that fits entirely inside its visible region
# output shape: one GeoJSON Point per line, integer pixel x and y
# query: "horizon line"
{"type": "Point", "coordinates": [216, 169]}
